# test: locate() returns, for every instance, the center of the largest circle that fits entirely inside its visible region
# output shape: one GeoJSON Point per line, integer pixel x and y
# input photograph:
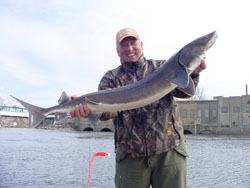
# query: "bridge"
{"type": "Point", "coordinates": [81, 124]}
{"type": "Point", "coordinates": [200, 129]}
{"type": "Point", "coordinates": [107, 126]}
{"type": "Point", "coordinates": [217, 129]}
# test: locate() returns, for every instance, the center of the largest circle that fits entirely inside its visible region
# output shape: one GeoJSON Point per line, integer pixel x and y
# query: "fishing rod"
{"type": "Point", "coordinates": [103, 154]}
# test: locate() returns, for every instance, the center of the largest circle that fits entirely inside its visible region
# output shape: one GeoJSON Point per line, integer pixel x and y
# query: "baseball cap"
{"type": "Point", "coordinates": [126, 32]}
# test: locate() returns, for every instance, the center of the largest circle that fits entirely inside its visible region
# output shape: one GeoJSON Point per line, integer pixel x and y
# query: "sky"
{"type": "Point", "coordinates": [51, 46]}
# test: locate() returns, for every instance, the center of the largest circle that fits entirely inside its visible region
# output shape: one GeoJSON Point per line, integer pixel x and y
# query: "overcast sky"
{"type": "Point", "coordinates": [50, 46]}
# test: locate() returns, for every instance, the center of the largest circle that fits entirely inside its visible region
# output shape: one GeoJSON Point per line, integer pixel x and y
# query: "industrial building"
{"type": "Point", "coordinates": [222, 111]}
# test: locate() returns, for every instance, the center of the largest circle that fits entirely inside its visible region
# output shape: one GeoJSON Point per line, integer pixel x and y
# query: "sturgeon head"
{"type": "Point", "coordinates": [187, 59]}
{"type": "Point", "coordinates": [191, 55]}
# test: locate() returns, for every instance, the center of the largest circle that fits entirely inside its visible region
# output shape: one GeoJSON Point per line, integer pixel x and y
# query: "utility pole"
{"type": "Point", "coordinates": [195, 124]}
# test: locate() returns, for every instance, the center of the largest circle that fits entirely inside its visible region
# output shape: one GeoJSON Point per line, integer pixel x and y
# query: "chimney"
{"type": "Point", "coordinates": [246, 90]}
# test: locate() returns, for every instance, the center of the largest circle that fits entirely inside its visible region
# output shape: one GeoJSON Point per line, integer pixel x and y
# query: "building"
{"type": "Point", "coordinates": [17, 117]}
{"type": "Point", "coordinates": [198, 112]}
{"type": "Point", "coordinates": [234, 111]}
{"type": "Point", "coordinates": [223, 114]}
{"type": "Point", "coordinates": [12, 116]}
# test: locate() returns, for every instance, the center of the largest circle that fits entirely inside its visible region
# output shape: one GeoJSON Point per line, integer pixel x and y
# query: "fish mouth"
{"type": "Point", "coordinates": [213, 36]}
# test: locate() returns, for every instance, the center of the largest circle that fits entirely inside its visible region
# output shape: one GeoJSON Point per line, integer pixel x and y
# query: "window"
{"type": "Point", "coordinates": [199, 113]}
{"type": "Point", "coordinates": [206, 113]}
{"type": "Point", "coordinates": [191, 113]}
{"type": "Point", "coordinates": [236, 109]}
{"type": "Point", "coordinates": [184, 113]}
{"type": "Point", "coordinates": [12, 109]}
{"type": "Point", "coordinates": [213, 113]}
{"type": "Point", "coordinates": [224, 109]}
{"type": "Point", "coordinates": [248, 109]}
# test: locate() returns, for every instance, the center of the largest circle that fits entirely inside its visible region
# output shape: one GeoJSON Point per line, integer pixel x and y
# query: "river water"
{"type": "Point", "coordinates": [35, 158]}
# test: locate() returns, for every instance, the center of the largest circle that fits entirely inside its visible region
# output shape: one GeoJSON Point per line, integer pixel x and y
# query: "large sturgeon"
{"type": "Point", "coordinates": [173, 73]}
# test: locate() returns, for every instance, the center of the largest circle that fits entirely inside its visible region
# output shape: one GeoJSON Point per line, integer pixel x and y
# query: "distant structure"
{"type": "Point", "coordinates": [17, 117]}
{"type": "Point", "coordinates": [12, 116]}
{"type": "Point", "coordinates": [222, 115]}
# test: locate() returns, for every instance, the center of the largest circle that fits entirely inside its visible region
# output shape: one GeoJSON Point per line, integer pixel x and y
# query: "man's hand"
{"type": "Point", "coordinates": [79, 110]}
{"type": "Point", "coordinates": [200, 68]}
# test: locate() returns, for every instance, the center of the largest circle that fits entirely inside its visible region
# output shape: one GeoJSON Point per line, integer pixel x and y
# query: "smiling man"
{"type": "Point", "coordinates": [149, 141]}
{"type": "Point", "coordinates": [129, 47]}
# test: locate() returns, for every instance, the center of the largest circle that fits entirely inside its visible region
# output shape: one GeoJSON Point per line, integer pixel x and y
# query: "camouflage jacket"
{"type": "Point", "coordinates": [146, 131]}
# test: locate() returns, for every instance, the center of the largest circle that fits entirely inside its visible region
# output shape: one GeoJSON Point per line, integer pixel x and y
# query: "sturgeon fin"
{"type": "Point", "coordinates": [64, 98]}
{"type": "Point", "coordinates": [36, 114]}
{"type": "Point", "coordinates": [60, 117]}
{"type": "Point", "coordinates": [94, 117]}
{"type": "Point", "coordinates": [35, 118]}
{"type": "Point", "coordinates": [180, 78]}
{"type": "Point", "coordinates": [190, 89]}
{"type": "Point", "coordinates": [88, 101]}
{"type": "Point", "coordinates": [177, 72]}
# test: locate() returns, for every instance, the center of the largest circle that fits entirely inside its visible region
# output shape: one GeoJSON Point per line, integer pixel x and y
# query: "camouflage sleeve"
{"type": "Point", "coordinates": [107, 82]}
{"type": "Point", "coordinates": [180, 93]}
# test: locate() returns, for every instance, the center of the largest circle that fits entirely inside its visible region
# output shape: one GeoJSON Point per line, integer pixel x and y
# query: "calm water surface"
{"type": "Point", "coordinates": [33, 158]}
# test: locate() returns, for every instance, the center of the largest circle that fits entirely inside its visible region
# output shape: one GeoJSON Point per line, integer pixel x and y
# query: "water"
{"type": "Point", "coordinates": [34, 158]}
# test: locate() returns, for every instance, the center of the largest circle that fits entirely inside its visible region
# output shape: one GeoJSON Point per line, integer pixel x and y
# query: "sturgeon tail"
{"type": "Point", "coordinates": [36, 114]}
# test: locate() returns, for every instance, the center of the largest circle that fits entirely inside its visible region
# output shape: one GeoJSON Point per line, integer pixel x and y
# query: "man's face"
{"type": "Point", "coordinates": [130, 49]}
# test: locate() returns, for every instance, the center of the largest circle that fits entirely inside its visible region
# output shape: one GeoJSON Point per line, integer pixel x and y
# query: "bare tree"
{"type": "Point", "coordinates": [199, 94]}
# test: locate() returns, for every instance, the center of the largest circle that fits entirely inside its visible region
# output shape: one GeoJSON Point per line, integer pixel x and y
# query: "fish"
{"type": "Point", "coordinates": [174, 73]}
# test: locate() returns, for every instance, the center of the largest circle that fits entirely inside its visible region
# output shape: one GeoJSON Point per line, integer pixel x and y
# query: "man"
{"type": "Point", "coordinates": [149, 141]}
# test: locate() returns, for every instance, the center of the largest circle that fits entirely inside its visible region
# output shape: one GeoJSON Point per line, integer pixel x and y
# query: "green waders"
{"type": "Point", "coordinates": [167, 170]}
